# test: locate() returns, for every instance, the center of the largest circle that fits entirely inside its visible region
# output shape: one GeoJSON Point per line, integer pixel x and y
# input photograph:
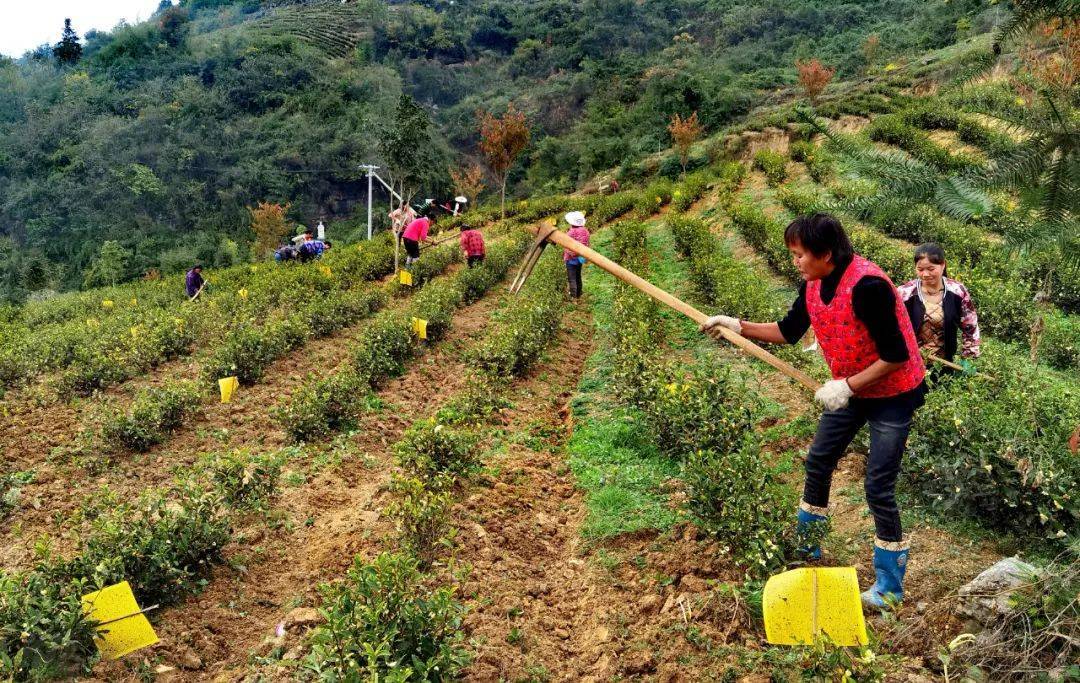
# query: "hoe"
{"type": "Point", "coordinates": [800, 605]}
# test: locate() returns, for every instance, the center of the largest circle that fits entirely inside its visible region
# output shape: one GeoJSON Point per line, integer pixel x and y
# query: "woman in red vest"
{"type": "Point", "coordinates": [865, 334]}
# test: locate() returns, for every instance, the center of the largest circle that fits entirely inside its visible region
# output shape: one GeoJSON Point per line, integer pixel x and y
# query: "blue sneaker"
{"type": "Point", "coordinates": [810, 517]}
{"type": "Point", "coordinates": [890, 564]}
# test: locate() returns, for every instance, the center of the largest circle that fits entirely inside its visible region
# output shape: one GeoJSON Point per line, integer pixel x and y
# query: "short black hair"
{"type": "Point", "coordinates": [821, 234]}
{"type": "Point", "coordinates": [328, 244]}
{"type": "Point", "coordinates": [931, 251]}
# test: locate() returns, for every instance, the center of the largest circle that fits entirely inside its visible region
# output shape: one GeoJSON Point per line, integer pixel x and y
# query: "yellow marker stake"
{"type": "Point", "coordinates": [228, 386]}
{"type": "Point", "coordinates": [124, 628]}
{"type": "Point", "coordinates": [406, 278]}
{"type": "Point", "coordinates": [419, 327]}
{"type": "Point", "coordinates": [804, 604]}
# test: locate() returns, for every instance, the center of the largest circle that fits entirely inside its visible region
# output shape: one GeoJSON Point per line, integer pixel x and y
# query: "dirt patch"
{"type": "Point", "coordinates": [952, 142]}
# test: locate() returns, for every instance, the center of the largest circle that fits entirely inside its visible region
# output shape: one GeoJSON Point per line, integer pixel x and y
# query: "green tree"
{"type": "Point", "coordinates": [68, 50]}
{"type": "Point", "coordinates": [407, 149]}
{"type": "Point", "coordinates": [109, 266]}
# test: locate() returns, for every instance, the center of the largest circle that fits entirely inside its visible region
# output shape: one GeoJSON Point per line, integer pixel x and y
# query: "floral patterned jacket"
{"type": "Point", "coordinates": [959, 314]}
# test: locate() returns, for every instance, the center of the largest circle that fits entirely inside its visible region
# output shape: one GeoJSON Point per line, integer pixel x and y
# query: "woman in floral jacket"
{"type": "Point", "coordinates": [941, 309]}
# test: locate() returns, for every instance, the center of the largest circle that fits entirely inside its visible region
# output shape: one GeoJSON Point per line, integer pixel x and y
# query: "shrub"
{"type": "Point", "coordinates": [382, 352]}
{"type": "Point", "coordinates": [383, 621]}
{"type": "Point", "coordinates": [11, 485]}
{"type": "Point", "coordinates": [773, 165]}
{"type": "Point", "coordinates": [437, 306]}
{"type": "Point", "coordinates": [44, 633]}
{"type": "Point", "coordinates": [154, 414]}
{"type": "Point", "coordinates": [429, 448]}
{"type": "Point", "coordinates": [246, 479]}
{"type": "Point", "coordinates": [421, 514]}
{"type": "Point", "coordinates": [803, 199]}
{"type": "Point", "coordinates": [162, 546]}
{"type": "Point", "coordinates": [324, 406]}
{"type": "Point", "coordinates": [802, 150]}
{"type": "Point", "coordinates": [614, 205]}
{"type": "Point", "coordinates": [1060, 343]}
{"type": "Point", "coordinates": [691, 189]}
{"type": "Point", "coordinates": [737, 497]}
{"type": "Point", "coordinates": [996, 450]}
{"type": "Point", "coordinates": [893, 130]}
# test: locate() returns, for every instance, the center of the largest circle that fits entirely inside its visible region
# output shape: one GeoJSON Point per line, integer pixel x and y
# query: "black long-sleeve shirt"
{"type": "Point", "coordinates": [874, 302]}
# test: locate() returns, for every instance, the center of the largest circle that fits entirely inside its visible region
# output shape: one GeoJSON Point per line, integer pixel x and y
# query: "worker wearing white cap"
{"type": "Point", "coordinates": [576, 220]}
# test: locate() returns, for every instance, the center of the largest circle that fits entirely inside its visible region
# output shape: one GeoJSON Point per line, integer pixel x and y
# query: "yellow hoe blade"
{"type": "Point", "coordinates": [803, 604]}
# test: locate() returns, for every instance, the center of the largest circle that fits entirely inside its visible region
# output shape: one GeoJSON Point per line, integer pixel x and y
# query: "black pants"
{"type": "Point", "coordinates": [890, 423]}
{"type": "Point", "coordinates": [473, 260]}
{"type": "Point", "coordinates": [573, 276]}
{"type": "Point", "coordinates": [412, 247]}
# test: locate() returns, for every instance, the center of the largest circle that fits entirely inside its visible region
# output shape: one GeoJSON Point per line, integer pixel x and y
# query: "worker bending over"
{"type": "Point", "coordinates": [868, 342]}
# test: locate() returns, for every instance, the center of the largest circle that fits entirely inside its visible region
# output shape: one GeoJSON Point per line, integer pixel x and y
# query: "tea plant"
{"type": "Point", "coordinates": [773, 165]}
{"type": "Point", "coordinates": [322, 406]}
{"type": "Point", "coordinates": [428, 449]}
{"type": "Point", "coordinates": [892, 129]}
{"type": "Point", "coordinates": [421, 513]}
{"type": "Point", "coordinates": [154, 413]}
{"type": "Point", "coordinates": [384, 623]}
{"type": "Point", "coordinates": [11, 484]}
{"type": "Point", "coordinates": [244, 478]}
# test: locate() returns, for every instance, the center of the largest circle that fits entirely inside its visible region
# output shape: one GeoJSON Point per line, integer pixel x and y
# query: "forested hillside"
{"type": "Point", "coordinates": [163, 134]}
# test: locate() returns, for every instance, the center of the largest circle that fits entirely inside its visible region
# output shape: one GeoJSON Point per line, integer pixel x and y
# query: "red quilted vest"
{"type": "Point", "coordinates": [845, 341]}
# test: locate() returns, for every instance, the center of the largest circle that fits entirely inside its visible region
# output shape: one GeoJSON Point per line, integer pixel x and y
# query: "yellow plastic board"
{"type": "Point", "coordinates": [228, 387]}
{"type": "Point", "coordinates": [325, 270]}
{"type": "Point", "coordinates": [243, 293]}
{"type": "Point", "coordinates": [107, 304]}
{"type": "Point", "coordinates": [127, 630]}
{"type": "Point", "coordinates": [419, 327]}
{"type": "Point", "coordinates": [804, 604]}
{"type": "Point", "coordinates": [406, 278]}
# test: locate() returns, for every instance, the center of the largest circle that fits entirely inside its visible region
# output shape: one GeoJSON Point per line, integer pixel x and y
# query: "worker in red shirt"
{"type": "Point", "coordinates": [865, 334]}
{"type": "Point", "coordinates": [472, 243]}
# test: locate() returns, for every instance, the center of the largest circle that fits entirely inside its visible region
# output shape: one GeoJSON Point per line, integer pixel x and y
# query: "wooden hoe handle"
{"type": "Point", "coordinates": [563, 240]}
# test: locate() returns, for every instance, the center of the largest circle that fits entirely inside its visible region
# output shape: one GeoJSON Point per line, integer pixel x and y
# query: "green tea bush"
{"type": "Point", "coordinates": [154, 414]}
{"type": "Point", "coordinates": [44, 632]}
{"type": "Point", "coordinates": [246, 479]}
{"type": "Point", "coordinates": [1060, 343]}
{"type": "Point", "coordinates": [739, 498]}
{"type": "Point", "coordinates": [613, 206]}
{"type": "Point", "coordinates": [383, 623]}
{"type": "Point", "coordinates": [996, 450]}
{"type": "Point", "coordinates": [773, 165]}
{"type": "Point", "coordinates": [474, 405]}
{"type": "Point", "coordinates": [11, 484]}
{"type": "Point", "coordinates": [765, 235]}
{"type": "Point", "coordinates": [93, 370]}
{"type": "Point", "coordinates": [656, 195]}
{"type": "Point", "coordinates": [801, 150]}
{"type": "Point", "coordinates": [893, 130]}
{"type": "Point", "coordinates": [437, 306]}
{"type": "Point", "coordinates": [386, 345]}
{"type": "Point", "coordinates": [429, 448]}
{"type": "Point", "coordinates": [726, 283]}
{"type": "Point", "coordinates": [703, 409]}
{"type": "Point", "coordinates": [691, 189]}
{"type": "Point", "coordinates": [421, 513]}
{"type": "Point", "coordinates": [162, 545]}
{"type": "Point", "coordinates": [803, 199]}
{"type": "Point", "coordinates": [250, 349]}
{"type": "Point", "coordinates": [323, 406]}
{"type": "Point", "coordinates": [328, 314]}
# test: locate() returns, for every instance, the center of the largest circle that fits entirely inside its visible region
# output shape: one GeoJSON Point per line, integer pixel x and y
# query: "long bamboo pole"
{"type": "Point", "coordinates": [563, 240]}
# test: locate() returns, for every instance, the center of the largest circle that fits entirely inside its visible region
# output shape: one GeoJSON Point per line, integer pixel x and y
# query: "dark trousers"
{"type": "Point", "coordinates": [573, 276]}
{"type": "Point", "coordinates": [890, 422]}
{"type": "Point", "coordinates": [412, 247]}
{"type": "Point", "coordinates": [473, 260]}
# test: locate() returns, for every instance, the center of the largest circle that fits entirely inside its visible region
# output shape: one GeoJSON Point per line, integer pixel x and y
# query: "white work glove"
{"type": "Point", "coordinates": [712, 325]}
{"type": "Point", "coordinates": [834, 394]}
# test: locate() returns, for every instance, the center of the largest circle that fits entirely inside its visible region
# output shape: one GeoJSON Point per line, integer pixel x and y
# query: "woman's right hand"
{"type": "Point", "coordinates": [713, 325]}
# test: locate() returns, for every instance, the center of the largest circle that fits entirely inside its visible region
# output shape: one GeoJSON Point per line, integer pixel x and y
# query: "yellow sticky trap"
{"type": "Point", "coordinates": [325, 270]}
{"type": "Point", "coordinates": [228, 386]}
{"type": "Point", "coordinates": [135, 331]}
{"type": "Point", "coordinates": [243, 293]}
{"type": "Point", "coordinates": [134, 302]}
{"type": "Point", "coordinates": [126, 630]}
{"type": "Point", "coordinates": [406, 278]}
{"type": "Point", "coordinates": [107, 304]}
{"type": "Point", "coordinates": [419, 327]}
{"type": "Point", "coordinates": [804, 604]}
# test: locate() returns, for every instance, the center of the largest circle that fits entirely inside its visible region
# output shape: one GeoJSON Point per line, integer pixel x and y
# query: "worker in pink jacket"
{"type": "Point", "coordinates": [573, 262]}
{"type": "Point", "coordinates": [415, 233]}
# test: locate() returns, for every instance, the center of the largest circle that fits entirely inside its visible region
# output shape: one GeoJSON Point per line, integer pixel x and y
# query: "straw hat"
{"type": "Point", "coordinates": [575, 218]}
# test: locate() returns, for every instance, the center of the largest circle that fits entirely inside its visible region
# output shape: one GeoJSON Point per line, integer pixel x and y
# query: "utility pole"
{"type": "Point", "coordinates": [370, 173]}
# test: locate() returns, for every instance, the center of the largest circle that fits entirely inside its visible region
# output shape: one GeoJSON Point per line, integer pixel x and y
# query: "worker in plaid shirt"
{"type": "Point", "coordinates": [472, 242]}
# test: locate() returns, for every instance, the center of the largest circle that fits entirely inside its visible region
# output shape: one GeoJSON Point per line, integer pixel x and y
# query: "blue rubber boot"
{"type": "Point", "coordinates": [890, 564]}
{"type": "Point", "coordinates": [810, 518]}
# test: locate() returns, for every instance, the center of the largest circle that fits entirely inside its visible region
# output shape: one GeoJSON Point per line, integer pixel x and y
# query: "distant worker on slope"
{"type": "Point", "coordinates": [573, 262]}
{"type": "Point", "coordinates": [400, 218]}
{"type": "Point", "coordinates": [941, 309]}
{"type": "Point", "coordinates": [312, 249]}
{"type": "Point", "coordinates": [472, 243]}
{"type": "Point", "coordinates": [415, 233]}
{"type": "Point", "coordinates": [865, 334]}
{"type": "Point", "coordinates": [193, 282]}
